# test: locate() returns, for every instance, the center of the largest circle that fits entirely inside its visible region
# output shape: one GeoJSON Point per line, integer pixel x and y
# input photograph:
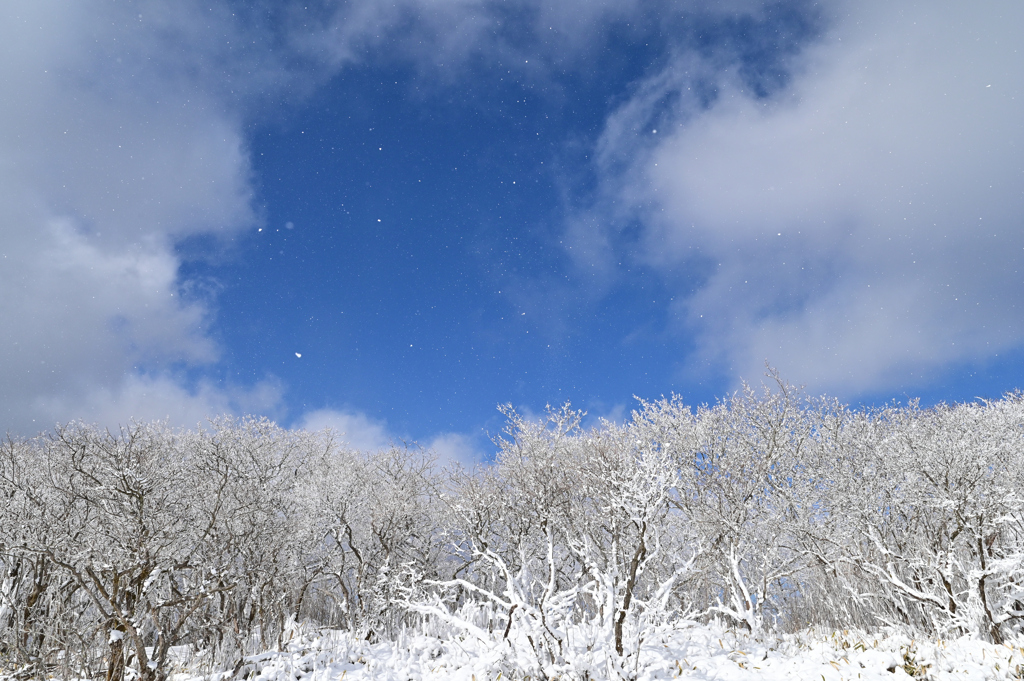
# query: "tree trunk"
{"type": "Point", "coordinates": [627, 600]}
{"type": "Point", "coordinates": [115, 660]}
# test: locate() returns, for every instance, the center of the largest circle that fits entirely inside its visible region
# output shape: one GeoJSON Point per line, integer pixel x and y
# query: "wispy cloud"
{"type": "Point", "coordinates": [859, 228]}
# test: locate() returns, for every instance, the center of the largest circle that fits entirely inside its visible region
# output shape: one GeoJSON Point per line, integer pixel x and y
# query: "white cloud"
{"type": "Point", "coordinates": [456, 448]}
{"type": "Point", "coordinates": [366, 434]}
{"type": "Point", "coordinates": [160, 398]}
{"type": "Point", "coordinates": [120, 134]}
{"type": "Point", "coordinates": [862, 228]}
{"type": "Point", "coordinates": [355, 429]}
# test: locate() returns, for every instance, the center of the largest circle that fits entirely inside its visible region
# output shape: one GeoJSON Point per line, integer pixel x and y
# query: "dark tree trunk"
{"type": "Point", "coordinates": [115, 661]}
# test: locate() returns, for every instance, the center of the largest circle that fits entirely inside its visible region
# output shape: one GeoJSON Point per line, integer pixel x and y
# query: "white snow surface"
{"type": "Point", "coordinates": [692, 651]}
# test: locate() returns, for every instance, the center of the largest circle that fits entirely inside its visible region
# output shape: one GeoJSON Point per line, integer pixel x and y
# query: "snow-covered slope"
{"type": "Point", "coordinates": [693, 651]}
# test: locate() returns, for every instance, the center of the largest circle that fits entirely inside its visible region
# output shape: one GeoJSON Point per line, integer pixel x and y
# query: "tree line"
{"type": "Point", "coordinates": [770, 510]}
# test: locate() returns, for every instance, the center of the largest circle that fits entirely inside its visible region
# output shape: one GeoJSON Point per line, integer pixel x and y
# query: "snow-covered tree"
{"type": "Point", "coordinates": [379, 515]}
{"type": "Point", "coordinates": [769, 509]}
{"type": "Point", "coordinates": [938, 515]}
{"type": "Point", "coordinates": [149, 528]}
{"type": "Point", "coordinates": [571, 544]}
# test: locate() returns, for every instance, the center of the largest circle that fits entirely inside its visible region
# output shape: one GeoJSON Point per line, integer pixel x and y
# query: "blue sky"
{"type": "Point", "coordinates": [390, 217]}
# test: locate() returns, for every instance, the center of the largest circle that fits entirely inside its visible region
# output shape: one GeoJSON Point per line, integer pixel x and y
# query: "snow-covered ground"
{"type": "Point", "coordinates": [693, 651]}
